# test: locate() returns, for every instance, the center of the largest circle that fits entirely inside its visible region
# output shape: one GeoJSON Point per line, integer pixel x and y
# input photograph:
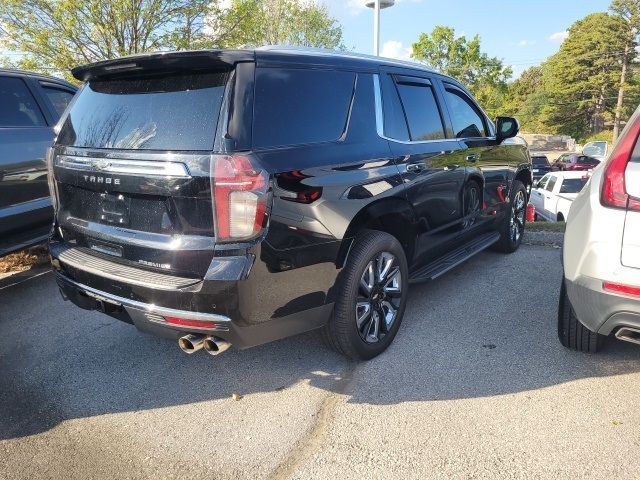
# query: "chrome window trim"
{"type": "Point", "coordinates": [123, 166]}
{"type": "Point", "coordinates": [377, 92]}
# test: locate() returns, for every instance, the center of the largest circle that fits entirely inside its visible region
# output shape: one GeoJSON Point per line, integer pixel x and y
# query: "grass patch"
{"type": "Point", "coordinates": [546, 227]}
{"type": "Point", "coordinates": [24, 259]}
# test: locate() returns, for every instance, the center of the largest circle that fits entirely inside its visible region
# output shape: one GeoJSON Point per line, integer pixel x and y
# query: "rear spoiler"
{"type": "Point", "coordinates": [169, 62]}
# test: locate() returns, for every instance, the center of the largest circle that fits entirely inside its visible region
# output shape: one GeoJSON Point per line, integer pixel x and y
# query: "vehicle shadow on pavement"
{"type": "Point", "coordinates": [473, 333]}
{"type": "Point", "coordinates": [479, 333]}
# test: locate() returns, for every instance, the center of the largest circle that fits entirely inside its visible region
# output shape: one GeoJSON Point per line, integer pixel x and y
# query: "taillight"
{"type": "Point", "coordinates": [614, 193]}
{"type": "Point", "coordinates": [293, 189]}
{"type": "Point", "coordinates": [619, 288]}
{"type": "Point", "coordinates": [185, 322]}
{"type": "Point", "coordinates": [240, 190]}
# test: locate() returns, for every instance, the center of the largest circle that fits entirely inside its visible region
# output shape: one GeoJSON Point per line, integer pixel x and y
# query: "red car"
{"type": "Point", "coordinates": [573, 161]}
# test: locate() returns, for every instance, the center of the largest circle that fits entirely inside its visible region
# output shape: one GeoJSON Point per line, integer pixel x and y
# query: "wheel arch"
{"type": "Point", "coordinates": [524, 176]}
{"type": "Point", "coordinates": [394, 216]}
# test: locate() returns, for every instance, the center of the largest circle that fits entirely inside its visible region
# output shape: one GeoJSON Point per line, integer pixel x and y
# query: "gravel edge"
{"type": "Point", "coordinates": [549, 239]}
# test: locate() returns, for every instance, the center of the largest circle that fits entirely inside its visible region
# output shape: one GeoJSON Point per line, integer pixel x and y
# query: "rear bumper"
{"type": "Point", "coordinates": [601, 311]}
{"type": "Point", "coordinates": [248, 301]}
{"type": "Point", "coordinates": [149, 318]}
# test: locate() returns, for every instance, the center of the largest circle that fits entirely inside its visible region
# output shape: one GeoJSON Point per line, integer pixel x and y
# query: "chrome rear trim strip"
{"type": "Point", "coordinates": [124, 166]}
{"type": "Point", "coordinates": [153, 311]}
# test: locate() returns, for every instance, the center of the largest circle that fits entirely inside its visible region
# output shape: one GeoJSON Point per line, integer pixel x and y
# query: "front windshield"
{"type": "Point", "coordinates": [595, 148]}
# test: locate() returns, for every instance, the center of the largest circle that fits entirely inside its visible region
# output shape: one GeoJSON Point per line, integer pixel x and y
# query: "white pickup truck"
{"type": "Point", "coordinates": [553, 194]}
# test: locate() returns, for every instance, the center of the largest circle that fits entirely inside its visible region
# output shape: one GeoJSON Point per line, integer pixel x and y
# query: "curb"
{"type": "Point", "coordinates": [546, 239]}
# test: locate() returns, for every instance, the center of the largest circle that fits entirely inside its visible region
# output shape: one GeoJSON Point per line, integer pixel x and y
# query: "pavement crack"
{"type": "Point", "coordinates": [317, 433]}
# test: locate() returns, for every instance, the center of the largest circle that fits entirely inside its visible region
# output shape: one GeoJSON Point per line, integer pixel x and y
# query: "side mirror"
{"type": "Point", "coordinates": [507, 127]}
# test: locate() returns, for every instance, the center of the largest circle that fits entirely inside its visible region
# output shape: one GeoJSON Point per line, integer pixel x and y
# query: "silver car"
{"type": "Point", "coordinates": [600, 292]}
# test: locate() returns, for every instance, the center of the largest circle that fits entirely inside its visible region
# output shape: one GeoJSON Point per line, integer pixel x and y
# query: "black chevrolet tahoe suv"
{"type": "Point", "coordinates": [237, 197]}
{"type": "Point", "coordinates": [30, 106]}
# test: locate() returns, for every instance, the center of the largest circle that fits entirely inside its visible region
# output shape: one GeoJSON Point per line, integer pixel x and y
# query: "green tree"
{"type": "Point", "coordinates": [581, 81]}
{"type": "Point", "coordinates": [60, 34]}
{"type": "Point", "coordinates": [463, 59]}
{"type": "Point", "coordinates": [273, 22]}
{"type": "Point", "coordinates": [57, 35]}
{"type": "Point", "coordinates": [524, 99]}
{"type": "Point", "coordinates": [629, 12]}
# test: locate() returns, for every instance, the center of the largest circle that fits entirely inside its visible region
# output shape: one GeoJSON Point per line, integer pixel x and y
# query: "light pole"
{"type": "Point", "coordinates": [378, 5]}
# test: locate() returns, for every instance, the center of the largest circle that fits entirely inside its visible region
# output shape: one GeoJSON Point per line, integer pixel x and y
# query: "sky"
{"type": "Point", "coordinates": [522, 33]}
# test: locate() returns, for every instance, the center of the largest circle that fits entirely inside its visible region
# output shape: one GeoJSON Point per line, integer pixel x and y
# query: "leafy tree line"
{"type": "Point", "coordinates": [588, 89]}
{"type": "Point", "coordinates": [591, 86]}
{"type": "Point", "coordinates": [57, 35]}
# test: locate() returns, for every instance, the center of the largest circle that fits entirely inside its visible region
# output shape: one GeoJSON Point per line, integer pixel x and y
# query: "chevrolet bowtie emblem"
{"type": "Point", "coordinates": [100, 164]}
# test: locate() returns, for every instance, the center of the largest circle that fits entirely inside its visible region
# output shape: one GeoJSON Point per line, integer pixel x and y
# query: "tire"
{"type": "Point", "coordinates": [573, 334]}
{"type": "Point", "coordinates": [352, 331]}
{"type": "Point", "coordinates": [517, 213]}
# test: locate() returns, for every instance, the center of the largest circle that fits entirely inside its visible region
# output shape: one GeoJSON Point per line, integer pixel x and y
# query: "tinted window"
{"type": "Point", "coordinates": [395, 125]}
{"type": "Point", "coordinates": [595, 148]}
{"type": "Point", "coordinates": [467, 121]}
{"type": "Point", "coordinates": [590, 160]}
{"type": "Point", "coordinates": [300, 106]}
{"type": "Point", "coordinates": [19, 108]}
{"type": "Point", "coordinates": [168, 113]}
{"type": "Point", "coordinates": [551, 184]}
{"type": "Point", "coordinates": [572, 185]}
{"type": "Point", "coordinates": [543, 181]}
{"type": "Point", "coordinates": [421, 111]}
{"type": "Point", "coordinates": [540, 161]}
{"type": "Point", "coordinates": [58, 97]}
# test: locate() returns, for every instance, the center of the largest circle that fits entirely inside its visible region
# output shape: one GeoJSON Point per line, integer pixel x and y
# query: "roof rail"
{"type": "Point", "coordinates": [344, 54]}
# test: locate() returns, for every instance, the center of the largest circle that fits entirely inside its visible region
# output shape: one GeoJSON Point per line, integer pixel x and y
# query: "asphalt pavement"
{"type": "Point", "coordinates": [475, 385]}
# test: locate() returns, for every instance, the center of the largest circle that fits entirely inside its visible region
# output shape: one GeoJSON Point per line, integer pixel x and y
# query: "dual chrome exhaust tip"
{"type": "Point", "coordinates": [629, 334]}
{"type": "Point", "coordinates": [193, 342]}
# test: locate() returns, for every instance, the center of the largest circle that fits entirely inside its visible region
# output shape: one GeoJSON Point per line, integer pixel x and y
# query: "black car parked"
{"type": "Point", "coordinates": [238, 197]}
{"type": "Point", "coordinates": [541, 166]}
{"type": "Point", "coordinates": [30, 106]}
{"type": "Point", "coordinates": [573, 162]}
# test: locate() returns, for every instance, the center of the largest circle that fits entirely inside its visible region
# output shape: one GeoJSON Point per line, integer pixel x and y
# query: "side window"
{"type": "Point", "coordinates": [421, 111]}
{"type": "Point", "coordinates": [19, 108]}
{"type": "Point", "coordinates": [543, 182]}
{"type": "Point", "coordinates": [295, 106]}
{"type": "Point", "coordinates": [395, 124]}
{"type": "Point", "coordinates": [58, 97]}
{"type": "Point", "coordinates": [467, 120]}
{"type": "Point", "coordinates": [551, 184]}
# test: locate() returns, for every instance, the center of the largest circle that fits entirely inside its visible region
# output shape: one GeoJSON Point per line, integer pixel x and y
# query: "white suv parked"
{"type": "Point", "coordinates": [600, 293]}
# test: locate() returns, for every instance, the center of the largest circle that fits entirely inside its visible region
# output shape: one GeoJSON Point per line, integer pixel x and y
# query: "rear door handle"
{"type": "Point", "coordinates": [472, 158]}
{"type": "Point", "coordinates": [415, 167]}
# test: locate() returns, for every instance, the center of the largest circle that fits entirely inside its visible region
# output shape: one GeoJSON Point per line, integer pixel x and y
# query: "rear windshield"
{"type": "Point", "coordinates": [572, 185]}
{"type": "Point", "coordinates": [168, 113]}
{"type": "Point", "coordinates": [584, 159]}
{"type": "Point", "coordinates": [540, 161]}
